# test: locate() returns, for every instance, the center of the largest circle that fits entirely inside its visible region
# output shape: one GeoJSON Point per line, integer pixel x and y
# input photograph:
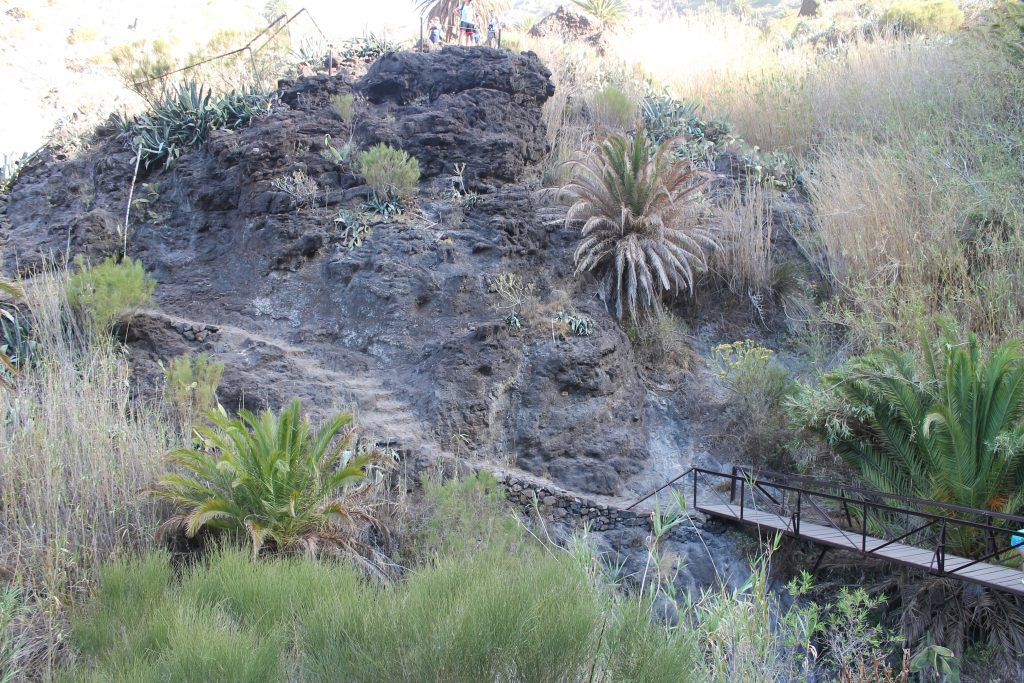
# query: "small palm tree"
{"type": "Point", "coordinates": [953, 434]}
{"type": "Point", "coordinates": [272, 477]}
{"type": "Point", "coordinates": [610, 13]}
{"type": "Point", "coordinates": [14, 292]}
{"type": "Point", "coordinates": [640, 233]}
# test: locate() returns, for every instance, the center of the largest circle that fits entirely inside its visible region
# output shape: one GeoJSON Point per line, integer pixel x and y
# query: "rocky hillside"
{"type": "Point", "coordinates": [406, 326]}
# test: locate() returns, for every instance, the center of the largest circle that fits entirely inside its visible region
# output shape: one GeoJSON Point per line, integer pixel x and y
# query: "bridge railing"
{"type": "Point", "coordinates": [863, 517]}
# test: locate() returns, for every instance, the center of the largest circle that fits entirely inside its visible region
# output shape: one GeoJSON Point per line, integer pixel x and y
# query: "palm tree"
{"type": "Point", "coordinates": [272, 477]}
{"type": "Point", "coordinates": [610, 13]}
{"type": "Point", "coordinates": [640, 233]}
{"type": "Point", "coordinates": [954, 434]}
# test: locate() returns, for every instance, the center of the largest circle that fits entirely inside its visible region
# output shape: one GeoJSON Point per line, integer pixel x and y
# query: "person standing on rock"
{"type": "Point", "coordinates": [435, 32]}
{"type": "Point", "coordinates": [467, 23]}
{"type": "Point", "coordinates": [492, 31]}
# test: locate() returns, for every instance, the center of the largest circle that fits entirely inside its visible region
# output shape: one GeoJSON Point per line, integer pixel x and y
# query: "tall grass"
{"type": "Point", "coordinates": [745, 257]}
{"type": "Point", "coordinates": [75, 454]}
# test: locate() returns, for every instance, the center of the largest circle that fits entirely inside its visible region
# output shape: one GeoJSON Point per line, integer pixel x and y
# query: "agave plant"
{"type": "Point", "coordinates": [273, 478]}
{"type": "Point", "coordinates": [640, 233]}
{"type": "Point", "coordinates": [185, 118]}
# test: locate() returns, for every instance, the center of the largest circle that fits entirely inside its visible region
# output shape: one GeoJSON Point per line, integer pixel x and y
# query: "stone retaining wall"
{"type": "Point", "coordinates": [561, 506]}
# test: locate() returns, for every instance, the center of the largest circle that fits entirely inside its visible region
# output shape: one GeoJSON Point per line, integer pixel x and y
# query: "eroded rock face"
{"type": "Point", "coordinates": [570, 26]}
{"type": "Point", "coordinates": [475, 106]}
{"type": "Point", "coordinates": [405, 325]}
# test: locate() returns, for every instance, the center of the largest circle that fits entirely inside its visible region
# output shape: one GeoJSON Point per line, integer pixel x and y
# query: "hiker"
{"type": "Point", "coordinates": [435, 32]}
{"type": "Point", "coordinates": [467, 23]}
{"type": "Point", "coordinates": [1017, 543]}
{"type": "Point", "coordinates": [492, 31]}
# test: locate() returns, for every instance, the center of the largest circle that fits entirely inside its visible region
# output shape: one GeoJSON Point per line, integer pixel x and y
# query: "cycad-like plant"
{"type": "Point", "coordinates": [273, 478]}
{"type": "Point", "coordinates": [640, 231]}
{"type": "Point", "coordinates": [953, 433]}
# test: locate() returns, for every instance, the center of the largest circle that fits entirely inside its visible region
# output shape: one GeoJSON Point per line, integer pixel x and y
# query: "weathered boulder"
{"type": "Point", "coordinates": [570, 26]}
{"type": "Point", "coordinates": [475, 106]}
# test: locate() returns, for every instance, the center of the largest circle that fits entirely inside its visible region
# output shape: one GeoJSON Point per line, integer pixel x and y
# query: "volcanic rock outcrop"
{"type": "Point", "coordinates": [407, 325]}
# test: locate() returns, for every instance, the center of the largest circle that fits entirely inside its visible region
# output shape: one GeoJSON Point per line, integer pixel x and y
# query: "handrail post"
{"type": "Point", "coordinates": [732, 486]}
{"type": "Point", "coordinates": [694, 488]}
{"type": "Point", "coordinates": [940, 552]}
{"type": "Point", "coordinates": [742, 495]}
{"type": "Point", "coordinates": [796, 516]}
{"type": "Point", "coordinates": [864, 529]}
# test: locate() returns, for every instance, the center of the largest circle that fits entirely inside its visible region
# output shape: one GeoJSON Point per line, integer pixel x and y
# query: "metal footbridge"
{"type": "Point", "coordinates": [907, 531]}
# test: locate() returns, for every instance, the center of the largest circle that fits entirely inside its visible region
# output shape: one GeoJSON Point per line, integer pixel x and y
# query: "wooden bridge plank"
{"type": "Point", "coordinates": [990, 575]}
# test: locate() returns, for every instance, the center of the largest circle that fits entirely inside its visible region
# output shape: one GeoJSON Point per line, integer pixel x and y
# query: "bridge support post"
{"type": "Point", "coordinates": [817, 563]}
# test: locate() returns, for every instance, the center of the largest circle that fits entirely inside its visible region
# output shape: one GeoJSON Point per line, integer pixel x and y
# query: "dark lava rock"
{"type": "Point", "coordinates": [475, 106]}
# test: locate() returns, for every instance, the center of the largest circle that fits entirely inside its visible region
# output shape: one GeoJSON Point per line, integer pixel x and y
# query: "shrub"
{"type": "Point", "coordinates": [390, 173]}
{"type": "Point", "coordinates": [613, 109]}
{"type": "Point", "coordinates": [746, 259]}
{"type": "Point", "coordinates": [299, 186]}
{"type": "Point", "coordinates": [577, 324]}
{"type": "Point", "coordinates": [343, 107]}
{"type": "Point", "coordinates": [191, 383]}
{"type": "Point", "coordinates": [759, 385]}
{"type": "Point", "coordinates": [924, 15]}
{"type": "Point", "coordinates": [11, 650]}
{"type": "Point", "coordinates": [487, 601]}
{"type": "Point", "coordinates": [142, 64]}
{"type": "Point", "coordinates": [76, 447]}
{"type": "Point", "coordinates": [662, 340]}
{"type": "Point", "coordinates": [106, 293]}
{"type": "Point", "coordinates": [640, 234]}
{"type": "Point", "coordinates": [273, 478]}
{"type": "Point", "coordinates": [367, 48]}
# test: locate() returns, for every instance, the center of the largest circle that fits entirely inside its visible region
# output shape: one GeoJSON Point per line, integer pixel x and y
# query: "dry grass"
{"type": "Point", "coordinates": [76, 455]}
{"type": "Point", "coordinates": [745, 257]}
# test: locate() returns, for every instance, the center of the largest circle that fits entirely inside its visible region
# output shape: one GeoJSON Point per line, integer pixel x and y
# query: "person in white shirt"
{"type": "Point", "coordinates": [467, 23]}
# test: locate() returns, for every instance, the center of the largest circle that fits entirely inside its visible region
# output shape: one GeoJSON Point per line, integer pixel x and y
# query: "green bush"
{"type": "Point", "coordinates": [942, 16]}
{"type": "Point", "coordinates": [485, 616]}
{"type": "Point", "coordinates": [759, 385]}
{"type": "Point", "coordinates": [106, 293]}
{"type": "Point", "coordinates": [191, 383]}
{"type": "Point", "coordinates": [613, 109]}
{"type": "Point", "coordinates": [391, 173]}
{"type": "Point", "coordinates": [343, 107]}
{"type": "Point", "coordinates": [273, 478]}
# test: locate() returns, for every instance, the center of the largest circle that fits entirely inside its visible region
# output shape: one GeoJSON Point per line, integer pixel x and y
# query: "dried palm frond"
{"type": "Point", "coordinates": [641, 233]}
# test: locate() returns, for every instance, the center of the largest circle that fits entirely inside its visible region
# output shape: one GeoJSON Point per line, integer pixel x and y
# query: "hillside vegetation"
{"type": "Point", "coordinates": [800, 237]}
